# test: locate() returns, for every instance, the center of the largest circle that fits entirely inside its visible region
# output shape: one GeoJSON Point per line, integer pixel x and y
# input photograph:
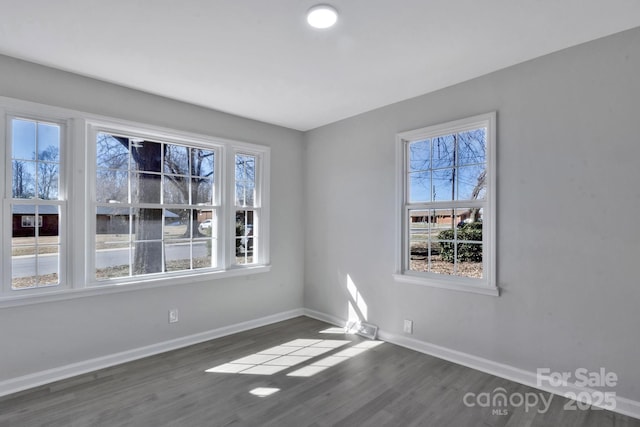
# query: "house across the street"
{"type": "Point", "coordinates": [24, 220]}
{"type": "Point", "coordinates": [108, 220]}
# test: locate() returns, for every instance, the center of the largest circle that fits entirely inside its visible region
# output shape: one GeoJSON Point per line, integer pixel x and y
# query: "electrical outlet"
{"type": "Point", "coordinates": [408, 326]}
{"type": "Point", "coordinates": [173, 315]}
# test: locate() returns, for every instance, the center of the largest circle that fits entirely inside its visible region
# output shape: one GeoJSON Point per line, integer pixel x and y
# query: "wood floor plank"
{"type": "Point", "coordinates": [385, 385]}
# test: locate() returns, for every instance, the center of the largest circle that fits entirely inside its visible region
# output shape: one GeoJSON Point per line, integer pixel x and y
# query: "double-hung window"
{"type": "Point", "coordinates": [447, 191]}
{"type": "Point", "coordinates": [156, 205]}
{"type": "Point", "coordinates": [247, 203]}
{"type": "Point", "coordinates": [34, 203]}
{"type": "Point", "coordinates": [129, 205]}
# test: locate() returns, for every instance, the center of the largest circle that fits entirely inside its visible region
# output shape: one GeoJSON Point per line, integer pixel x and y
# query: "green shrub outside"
{"type": "Point", "coordinates": [466, 251]}
{"type": "Point", "coordinates": [240, 231]}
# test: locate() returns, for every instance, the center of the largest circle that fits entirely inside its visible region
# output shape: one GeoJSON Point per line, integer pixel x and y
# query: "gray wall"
{"type": "Point", "coordinates": [43, 336]}
{"type": "Point", "coordinates": [568, 234]}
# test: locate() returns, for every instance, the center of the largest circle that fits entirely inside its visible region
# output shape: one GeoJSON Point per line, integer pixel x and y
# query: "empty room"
{"type": "Point", "coordinates": [300, 213]}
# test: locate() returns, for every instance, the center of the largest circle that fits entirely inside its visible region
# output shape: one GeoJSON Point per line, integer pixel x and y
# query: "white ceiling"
{"type": "Point", "coordinates": [259, 59]}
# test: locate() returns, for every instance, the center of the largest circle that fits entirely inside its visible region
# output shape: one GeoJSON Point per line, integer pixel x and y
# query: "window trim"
{"type": "Point", "coordinates": [488, 284]}
{"type": "Point", "coordinates": [77, 204]}
{"type": "Point", "coordinates": [260, 206]}
{"type": "Point", "coordinates": [9, 110]}
{"type": "Point", "coordinates": [93, 127]}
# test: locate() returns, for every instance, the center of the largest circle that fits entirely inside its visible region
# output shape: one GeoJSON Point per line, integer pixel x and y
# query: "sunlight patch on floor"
{"type": "Point", "coordinates": [280, 357]}
{"type": "Point", "coordinates": [333, 360]}
{"type": "Point", "coordinates": [264, 391]}
{"type": "Point", "coordinates": [335, 330]}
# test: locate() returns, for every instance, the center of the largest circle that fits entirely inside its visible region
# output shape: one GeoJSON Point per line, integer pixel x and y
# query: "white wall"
{"type": "Point", "coordinates": [568, 236]}
{"type": "Point", "coordinates": [49, 335]}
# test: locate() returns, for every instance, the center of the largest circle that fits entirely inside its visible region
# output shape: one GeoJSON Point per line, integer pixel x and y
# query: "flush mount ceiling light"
{"type": "Point", "coordinates": [322, 16]}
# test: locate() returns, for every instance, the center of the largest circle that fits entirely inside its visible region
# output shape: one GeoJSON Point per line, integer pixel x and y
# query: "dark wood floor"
{"type": "Point", "coordinates": [384, 385]}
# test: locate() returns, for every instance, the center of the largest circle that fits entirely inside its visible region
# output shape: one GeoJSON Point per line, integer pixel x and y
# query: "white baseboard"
{"type": "Point", "coordinates": [44, 377]}
{"type": "Point", "coordinates": [624, 406]}
{"type": "Point", "coordinates": [323, 317]}
{"type": "Point", "coordinates": [628, 407]}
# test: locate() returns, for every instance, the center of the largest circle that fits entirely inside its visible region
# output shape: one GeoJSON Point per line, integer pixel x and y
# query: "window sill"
{"type": "Point", "coordinates": [104, 288]}
{"type": "Point", "coordinates": [448, 284]}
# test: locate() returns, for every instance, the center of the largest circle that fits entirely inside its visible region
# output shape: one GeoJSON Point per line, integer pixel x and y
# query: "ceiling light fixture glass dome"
{"type": "Point", "coordinates": [322, 16]}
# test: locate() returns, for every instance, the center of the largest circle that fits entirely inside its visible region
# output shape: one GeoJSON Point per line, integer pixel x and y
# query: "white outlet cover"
{"type": "Point", "coordinates": [408, 326]}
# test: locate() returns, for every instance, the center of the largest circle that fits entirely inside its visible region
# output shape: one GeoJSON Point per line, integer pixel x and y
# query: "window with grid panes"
{"type": "Point", "coordinates": [448, 199]}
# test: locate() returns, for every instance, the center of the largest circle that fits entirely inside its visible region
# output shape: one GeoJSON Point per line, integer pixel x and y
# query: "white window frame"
{"type": "Point", "coordinates": [262, 173]}
{"type": "Point", "coordinates": [486, 285]}
{"type": "Point", "coordinates": [95, 127]}
{"type": "Point", "coordinates": [8, 112]}
{"type": "Point", "coordinates": [261, 215]}
{"type": "Point", "coordinates": [77, 195]}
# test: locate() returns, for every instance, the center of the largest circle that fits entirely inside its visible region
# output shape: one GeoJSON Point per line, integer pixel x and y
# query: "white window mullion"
{"type": "Point", "coordinates": [79, 237]}
{"type": "Point", "coordinates": [5, 190]}
{"type": "Point", "coordinates": [406, 231]}
{"type": "Point", "coordinates": [5, 215]}
{"type": "Point", "coordinates": [228, 218]}
{"type": "Point", "coordinates": [263, 192]}
{"type": "Point", "coordinates": [5, 239]}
